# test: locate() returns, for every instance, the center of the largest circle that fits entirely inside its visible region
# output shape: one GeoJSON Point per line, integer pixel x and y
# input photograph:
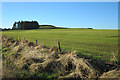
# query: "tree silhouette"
{"type": "Point", "coordinates": [24, 25]}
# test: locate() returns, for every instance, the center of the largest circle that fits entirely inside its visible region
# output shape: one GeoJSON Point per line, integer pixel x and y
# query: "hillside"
{"type": "Point", "coordinates": [50, 27]}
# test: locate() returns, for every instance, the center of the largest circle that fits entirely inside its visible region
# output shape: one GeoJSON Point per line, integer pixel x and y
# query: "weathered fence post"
{"type": "Point", "coordinates": [36, 42]}
{"type": "Point", "coordinates": [59, 46]}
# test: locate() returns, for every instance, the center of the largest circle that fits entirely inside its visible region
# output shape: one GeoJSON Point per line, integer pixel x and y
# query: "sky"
{"type": "Point", "coordinates": [60, 0]}
{"type": "Point", "coordinates": [97, 15]}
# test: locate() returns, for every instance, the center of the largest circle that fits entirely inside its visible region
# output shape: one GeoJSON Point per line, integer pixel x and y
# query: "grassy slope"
{"type": "Point", "coordinates": [92, 43]}
{"type": "Point", "coordinates": [46, 27]}
{"type": "Point", "coordinates": [49, 27]}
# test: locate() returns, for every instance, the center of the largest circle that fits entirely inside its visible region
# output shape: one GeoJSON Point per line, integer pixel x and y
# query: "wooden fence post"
{"type": "Point", "coordinates": [59, 46]}
{"type": "Point", "coordinates": [36, 42]}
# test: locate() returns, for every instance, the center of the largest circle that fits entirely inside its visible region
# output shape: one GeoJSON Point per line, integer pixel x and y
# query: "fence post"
{"type": "Point", "coordinates": [59, 46]}
{"type": "Point", "coordinates": [36, 42]}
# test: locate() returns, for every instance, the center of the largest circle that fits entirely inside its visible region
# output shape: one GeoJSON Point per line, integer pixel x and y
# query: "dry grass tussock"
{"type": "Point", "coordinates": [112, 74]}
{"type": "Point", "coordinates": [39, 59]}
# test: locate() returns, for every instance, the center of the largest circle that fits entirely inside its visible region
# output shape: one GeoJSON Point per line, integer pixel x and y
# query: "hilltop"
{"type": "Point", "coordinates": [50, 27]}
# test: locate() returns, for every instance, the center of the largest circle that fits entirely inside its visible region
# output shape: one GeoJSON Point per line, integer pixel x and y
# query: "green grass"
{"type": "Point", "coordinates": [96, 44]}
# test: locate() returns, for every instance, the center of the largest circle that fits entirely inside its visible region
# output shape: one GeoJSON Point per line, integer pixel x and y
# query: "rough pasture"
{"type": "Point", "coordinates": [95, 44]}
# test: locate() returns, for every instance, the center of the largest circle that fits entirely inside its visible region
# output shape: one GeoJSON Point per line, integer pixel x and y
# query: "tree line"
{"type": "Point", "coordinates": [25, 25]}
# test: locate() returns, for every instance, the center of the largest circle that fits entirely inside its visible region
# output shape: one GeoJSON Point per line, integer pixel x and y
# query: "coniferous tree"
{"type": "Point", "coordinates": [24, 25]}
{"type": "Point", "coordinates": [14, 26]}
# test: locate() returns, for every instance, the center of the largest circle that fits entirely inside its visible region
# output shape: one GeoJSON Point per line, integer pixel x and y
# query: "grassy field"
{"type": "Point", "coordinates": [96, 44]}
